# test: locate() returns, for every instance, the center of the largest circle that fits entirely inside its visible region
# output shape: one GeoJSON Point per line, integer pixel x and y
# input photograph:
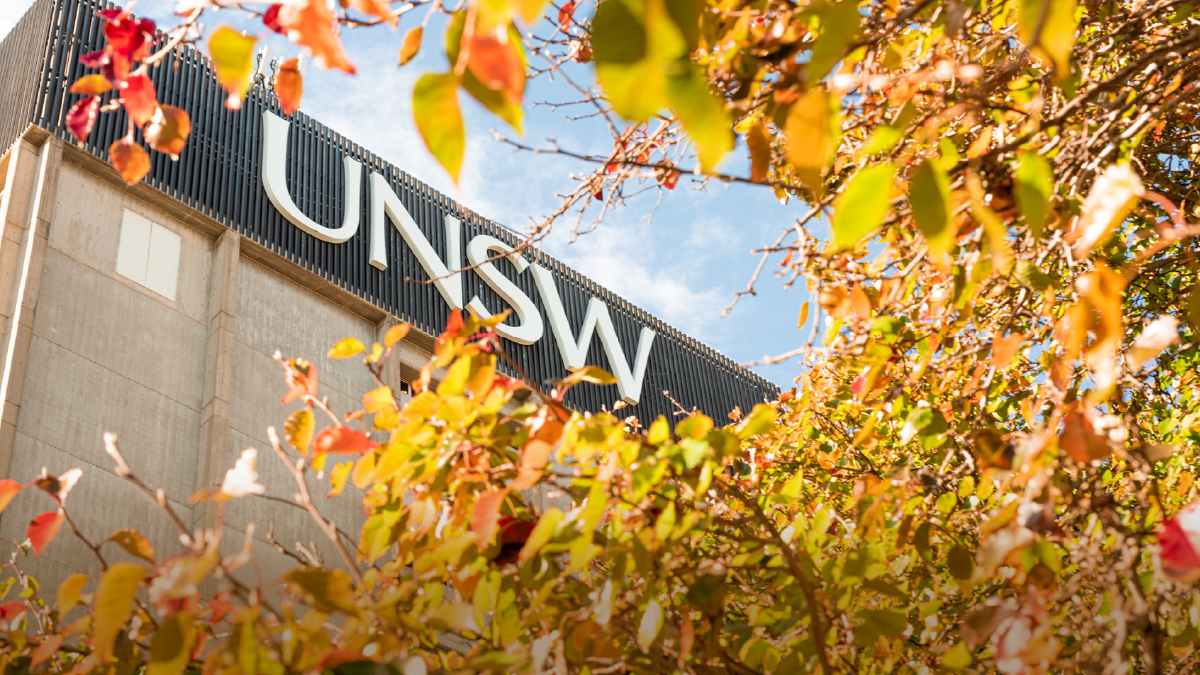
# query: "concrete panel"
{"type": "Point", "coordinates": [122, 329]}
{"type": "Point", "coordinates": [86, 227]}
{"type": "Point", "coordinates": [70, 402]}
{"type": "Point", "coordinates": [100, 504]}
{"type": "Point", "coordinates": [273, 313]}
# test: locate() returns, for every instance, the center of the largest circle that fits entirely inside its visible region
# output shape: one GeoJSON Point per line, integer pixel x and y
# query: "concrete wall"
{"type": "Point", "coordinates": [185, 383]}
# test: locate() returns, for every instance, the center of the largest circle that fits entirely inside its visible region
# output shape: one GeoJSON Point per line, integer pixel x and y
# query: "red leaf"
{"type": "Point", "coordinates": [565, 14]}
{"type": "Point", "coordinates": [129, 37]}
{"type": "Point", "coordinates": [8, 489]}
{"type": "Point", "coordinates": [515, 530]}
{"type": "Point", "coordinates": [343, 441]}
{"type": "Point", "coordinates": [91, 85]}
{"type": "Point", "coordinates": [221, 607]}
{"type": "Point", "coordinates": [496, 61]}
{"type": "Point", "coordinates": [455, 322]}
{"type": "Point", "coordinates": [82, 117]}
{"type": "Point", "coordinates": [42, 529]}
{"type": "Point", "coordinates": [270, 19]}
{"type": "Point", "coordinates": [1179, 542]}
{"type": "Point", "coordinates": [668, 178]}
{"type": "Point", "coordinates": [49, 647]}
{"type": "Point", "coordinates": [94, 59]}
{"type": "Point", "coordinates": [484, 517]}
{"type": "Point", "coordinates": [301, 380]}
{"type": "Point", "coordinates": [168, 130]}
{"type": "Point", "coordinates": [137, 92]}
{"type": "Point", "coordinates": [10, 610]}
{"type": "Point", "coordinates": [130, 160]}
{"type": "Point", "coordinates": [312, 24]}
{"type": "Point", "coordinates": [289, 86]}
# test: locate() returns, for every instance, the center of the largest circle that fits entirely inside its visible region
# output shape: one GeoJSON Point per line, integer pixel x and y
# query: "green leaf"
{"type": "Point", "coordinates": [113, 604]}
{"type": "Point", "coordinates": [839, 26]}
{"type": "Point", "coordinates": [929, 195]}
{"type": "Point", "coordinates": [886, 622]}
{"type": "Point", "coordinates": [1035, 181]}
{"type": "Point", "coordinates": [707, 593]}
{"type": "Point", "coordinates": [960, 563]}
{"type": "Point", "coordinates": [703, 117]}
{"type": "Point", "coordinates": [957, 658]}
{"type": "Point", "coordinates": [633, 81]}
{"type": "Point", "coordinates": [134, 544]}
{"type": "Point", "coordinates": [1193, 306]}
{"type": "Point", "coordinates": [760, 420]}
{"type": "Point", "coordinates": [860, 208]}
{"type": "Point", "coordinates": [439, 119]}
{"type": "Point", "coordinates": [326, 590]}
{"type": "Point", "coordinates": [660, 432]}
{"type": "Point", "coordinates": [171, 648]}
{"type": "Point", "coordinates": [1028, 273]}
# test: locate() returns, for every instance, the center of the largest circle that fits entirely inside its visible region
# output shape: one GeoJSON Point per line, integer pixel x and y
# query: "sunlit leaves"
{"type": "Point", "coordinates": [632, 83]}
{"type": "Point", "coordinates": [395, 334]}
{"type": "Point", "coordinates": [650, 625]}
{"type": "Point", "coordinates": [495, 59]}
{"type": "Point", "coordinates": [378, 399]}
{"type": "Point", "coordinates": [378, 9]}
{"type": "Point", "coordinates": [299, 428]}
{"type": "Point", "coordinates": [43, 528]}
{"type": "Point", "coordinates": [9, 488]}
{"type": "Point", "coordinates": [1048, 28]}
{"type": "Point", "coordinates": [68, 593]}
{"type": "Point", "coordinates": [485, 516]}
{"type": "Point", "coordinates": [703, 117]}
{"type": "Point", "coordinates": [501, 101]}
{"type": "Point", "coordinates": [456, 616]}
{"type": "Point", "coordinates": [130, 160]}
{"type": "Point", "coordinates": [233, 61]}
{"type": "Point", "coordinates": [439, 119]}
{"type": "Point", "coordinates": [929, 195]}
{"type": "Point", "coordinates": [346, 348]}
{"type": "Point", "coordinates": [1112, 196]}
{"type": "Point", "coordinates": [860, 208]}
{"type": "Point", "coordinates": [542, 533]}
{"type": "Point", "coordinates": [289, 86]}
{"type": "Point", "coordinates": [301, 379]}
{"type": "Point", "coordinates": [171, 648]}
{"type": "Point", "coordinates": [168, 130]}
{"type": "Point", "coordinates": [411, 44]}
{"type": "Point", "coordinates": [113, 604]}
{"type": "Point", "coordinates": [759, 145]}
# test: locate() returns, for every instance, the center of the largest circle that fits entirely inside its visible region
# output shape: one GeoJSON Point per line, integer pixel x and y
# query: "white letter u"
{"type": "Point", "coordinates": [274, 177]}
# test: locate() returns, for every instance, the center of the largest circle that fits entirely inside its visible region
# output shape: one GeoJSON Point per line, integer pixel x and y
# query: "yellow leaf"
{"type": "Point", "coordinates": [395, 334]}
{"type": "Point", "coordinates": [803, 316]}
{"type": "Point", "coordinates": [299, 429]}
{"type": "Point", "coordinates": [458, 616]}
{"type": "Point", "coordinates": [378, 399]}
{"type": "Point", "coordinates": [338, 477]}
{"type": "Point", "coordinates": [171, 648]}
{"type": "Point", "coordinates": [812, 135]}
{"type": "Point", "coordinates": [68, 593]}
{"type": "Point", "coordinates": [346, 347]}
{"type": "Point", "coordinates": [651, 624]}
{"type": "Point", "coordinates": [411, 45]}
{"type": "Point", "coordinates": [113, 604]}
{"type": "Point", "coordinates": [542, 533]}
{"type": "Point", "coordinates": [233, 60]}
{"type": "Point", "coordinates": [134, 543]}
{"type": "Point", "coordinates": [439, 119]}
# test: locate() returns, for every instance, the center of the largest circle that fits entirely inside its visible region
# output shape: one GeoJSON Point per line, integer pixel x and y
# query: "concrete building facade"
{"type": "Point", "coordinates": [153, 311]}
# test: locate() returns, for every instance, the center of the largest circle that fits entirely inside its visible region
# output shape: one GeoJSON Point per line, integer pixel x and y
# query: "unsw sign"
{"type": "Point", "coordinates": [525, 326]}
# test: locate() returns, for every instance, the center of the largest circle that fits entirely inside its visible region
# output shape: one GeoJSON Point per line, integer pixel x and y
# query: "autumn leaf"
{"type": "Point", "coordinates": [68, 593]}
{"type": "Point", "coordinates": [130, 160]}
{"type": "Point", "coordinates": [134, 543]}
{"type": "Point", "coordinates": [91, 85]}
{"type": "Point", "coordinates": [338, 477]}
{"type": "Point", "coordinates": [1159, 334]}
{"type": "Point", "coordinates": [233, 61]}
{"type": "Point", "coordinates": [168, 130]}
{"type": "Point", "coordinates": [439, 120]}
{"type": "Point", "coordinates": [312, 24]}
{"type": "Point", "coordinates": [1111, 198]}
{"type": "Point", "coordinates": [82, 117]}
{"type": "Point", "coordinates": [49, 647]}
{"type": "Point", "coordinates": [860, 209]}
{"type": "Point", "coordinates": [301, 378]}
{"type": "Point", "coordinates": [289, 86]}
{"type": "Point", "coordinates": [346, 348]}
{"type": "Point", "coordinates": [171, 647]}
{"type": "Point", "coordinates": [759, 145]}
{"type": "Point", "coordinates": [457, 616]}
{"type": "Point", "coordinates": [113, 604]}
{"type": "Point", "coordinates": [43, 528]}
{"type": "Point", "coordinates": [8, 489]}
{"type": "Point", "coordinates": [411, 44]}
{"type": "Point", "coordinates": [378, 399]}
{"type": "Point", "coordinates": [484, 516]}
{"type": "Point", "coordinates": [395, 334]}
{"type": "Point", "coordinates": [326, 590]}
{"type": "Point", "coordinates": [812, 131]}
{"type": "Point", "coordinates": [139, 98]}
{"type": "Point", "coordinates": [343, 441]}
{"type": "Point", "coordinates": [1080, 440]}
{"type": "Point", "coordinates": [651, 624]}
{"type": "Point", "coordinates": [299, 429]}
{"type": "Point", "coordinates": [1179, 542]}
{"type": "Point", "coordinates": [496, 60]}
{"type": "Point", "coordinates": [378, 9]}
{"type": "Point", "coordinates": [542, 533]}
{"type": "Point", "coordinates": [929, 195]}
{"type": "Point", "coordinates": [1004, 349]}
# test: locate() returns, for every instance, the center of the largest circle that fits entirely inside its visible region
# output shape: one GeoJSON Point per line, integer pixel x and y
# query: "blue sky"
{"type": "Point", "coordinates": [684, 263]}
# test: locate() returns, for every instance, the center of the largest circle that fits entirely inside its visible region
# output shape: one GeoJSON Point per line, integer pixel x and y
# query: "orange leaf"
{"type": "Point", "coordinates": [137, 93]}
{"type": "Point", "coordinates": [301, 379]}
{"type": "Point", "coordinates": [91, 85]}
{"type": "Point", "coordinates": [130, 160]}
{"type": "Point", "coordinates": [168, 130]}
{"type": "Point", "coordinates": [378, 9]}
{"type": "Point", "coordinates": [1004, 349]}
{"type": "Point", "coordinates": [485, 516]}
{"type": "Point", "coordinates": [343, 441]}
{"type": "Point", "coordinates": [395, 334]}
{"type": "Point", "coordinates": [45, 650]}
{"type": "Point", "coordinates": [494, 59]}
{"type": "Point", "coordinates": [289, 86]}
{"type": "Point", "coordinates": [312, 24]}
{"type": "Point", "coordinates": [8, 489]}
{"type": "Point", "coordinates": [10, 610]}
{"type": "Point", "coordinates": [545, 432]}
{"type": "Point", "coordinates": [42, 529]}
{"type": "Point", "coordinates": [1079, 439]}
{"type": "Point", "coordinates": [760, 152]}
{"type": "Point", "coordinates": [455, 322]}
{"type": "Point", "coordinates": [411, 44]}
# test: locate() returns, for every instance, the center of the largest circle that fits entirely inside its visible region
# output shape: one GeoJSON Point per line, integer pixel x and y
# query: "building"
{"type": "Point", "coordinates": [154, 311]}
